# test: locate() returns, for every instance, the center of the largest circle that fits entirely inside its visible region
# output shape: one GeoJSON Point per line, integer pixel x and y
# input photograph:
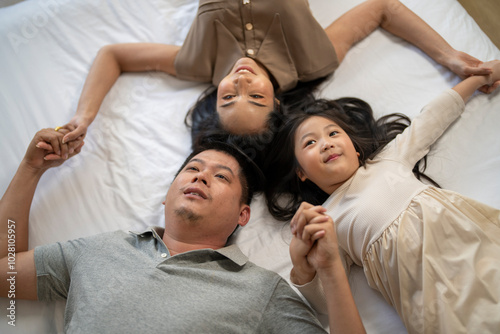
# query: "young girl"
{"type": "Point", "coordinates": [432, 253]}
{"type": "Point", "coordinates": [252, 50]}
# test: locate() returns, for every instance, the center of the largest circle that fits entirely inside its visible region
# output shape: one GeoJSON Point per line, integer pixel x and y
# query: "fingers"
{"type": "Point", "coordinates": [55, 149]}
{"type": "Point", "coordinates": [477, 71]}
{"type": "Point", "coordinates": [75, 133]}
{"type": "Point", "coordinates": [305, 215]}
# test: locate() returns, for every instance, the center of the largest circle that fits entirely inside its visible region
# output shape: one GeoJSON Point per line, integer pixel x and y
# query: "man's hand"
{"type": "Point", "coordinates": [46, 149]}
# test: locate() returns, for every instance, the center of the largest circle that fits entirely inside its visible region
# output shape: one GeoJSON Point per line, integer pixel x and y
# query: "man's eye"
{"type": "Point", "coordinates": [192, 168]}
{"type": "Point", "coordinates": [221, 176]}
{"type": "Point", "coordinates": [256, 96]}
{"type": "Point", "coordinates": [227, 97]}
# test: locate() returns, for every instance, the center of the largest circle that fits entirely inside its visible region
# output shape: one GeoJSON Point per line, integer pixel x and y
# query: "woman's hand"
{"type": "Point", "coordinates": [77, 129]}
{"type": "Point", "coordinates": [47, 150]}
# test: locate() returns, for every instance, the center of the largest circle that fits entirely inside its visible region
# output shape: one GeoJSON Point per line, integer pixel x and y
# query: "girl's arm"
{"type": "Point", "coordinates": [110, 62]}
{"type": "Point", "coordinates": [315, 250]}
{"type": "Point", "coordinates": [397, 19]}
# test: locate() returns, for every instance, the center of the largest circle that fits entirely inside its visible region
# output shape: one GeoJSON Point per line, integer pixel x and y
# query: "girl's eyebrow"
{"type": "Point", "coordinates": [331, 125]}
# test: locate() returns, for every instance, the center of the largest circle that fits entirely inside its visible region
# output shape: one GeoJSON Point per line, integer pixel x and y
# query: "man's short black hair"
{"type": "Point", "coordinates": [250, 175]}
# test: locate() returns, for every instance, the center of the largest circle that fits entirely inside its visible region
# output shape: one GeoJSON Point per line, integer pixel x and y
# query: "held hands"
{"type": "Point", "coordinates": [46, 149]}
{"type": "Point", "coordinates": [76, 129]}
{"type": "Point", "coordinates": [314, 245]}
{"type": "Point", "coordinates": [493, 78]}
{"type": "Point", "coordinates": [464, 65]}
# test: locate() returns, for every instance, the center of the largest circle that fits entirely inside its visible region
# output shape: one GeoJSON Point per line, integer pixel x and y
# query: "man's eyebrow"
{"type": "Point", "coordinates": [252, 102]}
{"type": "Point", "coordinates": [218, 166]}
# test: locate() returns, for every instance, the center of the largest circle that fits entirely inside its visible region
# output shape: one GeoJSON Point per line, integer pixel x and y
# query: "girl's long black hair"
{"type": "Point", "coordinates": [284, 191]}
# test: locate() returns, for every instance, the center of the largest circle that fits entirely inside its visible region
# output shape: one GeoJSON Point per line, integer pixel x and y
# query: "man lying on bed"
{"type": "Point", "coordinates": [182, 279]}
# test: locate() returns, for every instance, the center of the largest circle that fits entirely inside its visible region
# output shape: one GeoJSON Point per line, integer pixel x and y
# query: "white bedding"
{"type": "Point", "coordinates": [138, 140]}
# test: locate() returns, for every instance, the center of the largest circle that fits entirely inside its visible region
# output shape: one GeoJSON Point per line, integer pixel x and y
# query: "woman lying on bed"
{"type": "Point", "coordinates": [258, 54]}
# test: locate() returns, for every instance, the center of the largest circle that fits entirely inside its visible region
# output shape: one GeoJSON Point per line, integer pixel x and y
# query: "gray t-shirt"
{"type": "Point", "coordinates": [122, 282]}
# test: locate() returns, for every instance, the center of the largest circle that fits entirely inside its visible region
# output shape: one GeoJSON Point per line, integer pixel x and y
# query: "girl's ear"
{"type": "Point", "coordinates": [301, 174]}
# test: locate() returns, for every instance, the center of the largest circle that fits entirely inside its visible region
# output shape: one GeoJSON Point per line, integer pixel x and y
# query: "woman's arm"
{"type": "Point", "coordinates": [397, 19]}
{"type": "Point", "coordinates": [110, 62]}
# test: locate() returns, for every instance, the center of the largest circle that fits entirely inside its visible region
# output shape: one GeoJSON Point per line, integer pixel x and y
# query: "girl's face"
{"type": "Point", "coordinates": [325, 153]}
{"type": "Point", "coordinates": [245, 97]}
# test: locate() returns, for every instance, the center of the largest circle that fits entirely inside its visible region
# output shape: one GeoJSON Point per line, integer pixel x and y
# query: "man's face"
{"type": "Point", "coordinates": [204, 201]}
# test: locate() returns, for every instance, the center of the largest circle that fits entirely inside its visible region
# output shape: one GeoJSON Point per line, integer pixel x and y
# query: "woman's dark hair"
{"type": "Point", "coordinates": [284, 191]}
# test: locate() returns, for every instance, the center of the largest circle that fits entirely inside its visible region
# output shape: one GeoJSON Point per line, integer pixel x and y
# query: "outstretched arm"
{"type": "Point", "coordinates": [315, 250]}
{"type": "Point", "coordinates": [109, 63]}
{"type": "Point", "coordinates": [397, 19]}
{"type": "Point", "coordinates": [43, 153]}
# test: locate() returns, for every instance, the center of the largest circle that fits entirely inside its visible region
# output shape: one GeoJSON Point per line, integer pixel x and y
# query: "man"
{"type": "Point", "coordinates": [181, 279]}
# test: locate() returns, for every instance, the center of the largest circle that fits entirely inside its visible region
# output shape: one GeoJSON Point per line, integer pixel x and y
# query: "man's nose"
{"type": "Point", "coordinates": [200, 177]}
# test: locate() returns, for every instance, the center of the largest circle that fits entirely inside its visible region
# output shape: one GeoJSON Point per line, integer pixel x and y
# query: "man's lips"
{"type": "Point", "coordinates": [332, 157]}
{"type": "Point", "coordinates": [192, 191]}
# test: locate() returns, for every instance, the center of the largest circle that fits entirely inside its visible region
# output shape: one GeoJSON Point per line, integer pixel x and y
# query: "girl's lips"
{"type": "Point", "coordinates": [245, 68]}
{"type": "Point", "coordinates": [332, 157]}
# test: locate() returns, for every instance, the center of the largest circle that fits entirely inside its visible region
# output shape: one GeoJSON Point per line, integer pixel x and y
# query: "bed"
{"type": "Point", "coordinates": [139, 139]}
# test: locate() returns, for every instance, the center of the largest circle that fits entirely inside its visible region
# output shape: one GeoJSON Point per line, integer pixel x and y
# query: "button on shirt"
{"type": "Point", "coordinates": [280, 34]}
{"type": "Point", "coordinates": [125, 282]}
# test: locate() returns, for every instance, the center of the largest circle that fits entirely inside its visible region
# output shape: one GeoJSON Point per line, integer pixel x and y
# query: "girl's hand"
{"type": "Point", "coordinates": [303, 216]}
{"type": "Point", "coordinates": [46, 149]}
{"type": "Point", "coordinates": [494, 77]}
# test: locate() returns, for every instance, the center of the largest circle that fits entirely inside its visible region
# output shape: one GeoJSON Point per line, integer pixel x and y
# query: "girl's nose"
{"type": "Point", "coordinates": [326, 145]}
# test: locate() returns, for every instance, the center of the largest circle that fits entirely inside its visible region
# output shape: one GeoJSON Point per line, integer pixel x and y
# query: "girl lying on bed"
{"type": "Point", "coordinates": [258, 54]}
{"type": "Point", "coordinates": [432, 253]}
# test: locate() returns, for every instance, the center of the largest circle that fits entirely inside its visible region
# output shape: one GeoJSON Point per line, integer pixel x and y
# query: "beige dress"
{"type": "Point", "coordinates": [432, 253]}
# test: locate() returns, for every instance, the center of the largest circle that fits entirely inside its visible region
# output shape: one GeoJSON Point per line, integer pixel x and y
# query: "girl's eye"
{"type": "Point", "coordinates": [333, 133]}
{"type": "Point", "coordinates": [309, 142]}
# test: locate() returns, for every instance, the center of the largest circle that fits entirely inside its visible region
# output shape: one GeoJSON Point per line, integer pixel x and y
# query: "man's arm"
{"type": "Point", "coordinates": [44, 152]}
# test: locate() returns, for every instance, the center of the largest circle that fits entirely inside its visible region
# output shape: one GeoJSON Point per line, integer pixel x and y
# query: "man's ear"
{"type": "Point", "coordinates": [301, 174]}
{"type": "Point", "coordinates": [244, 215]}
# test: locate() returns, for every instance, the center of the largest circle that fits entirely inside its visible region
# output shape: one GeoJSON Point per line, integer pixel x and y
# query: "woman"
{"type": "Point", "coordinates": [256, 53]}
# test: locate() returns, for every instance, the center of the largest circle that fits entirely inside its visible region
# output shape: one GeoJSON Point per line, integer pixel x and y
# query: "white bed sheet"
{"type": "Point", "coordinates": [138, 140]}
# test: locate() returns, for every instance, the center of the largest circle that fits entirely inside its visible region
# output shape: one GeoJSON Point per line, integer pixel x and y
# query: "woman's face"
{"type": "Point", "coordinates": [245, 97]}
{"type": "Point", "coordinates": [325, 153]}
